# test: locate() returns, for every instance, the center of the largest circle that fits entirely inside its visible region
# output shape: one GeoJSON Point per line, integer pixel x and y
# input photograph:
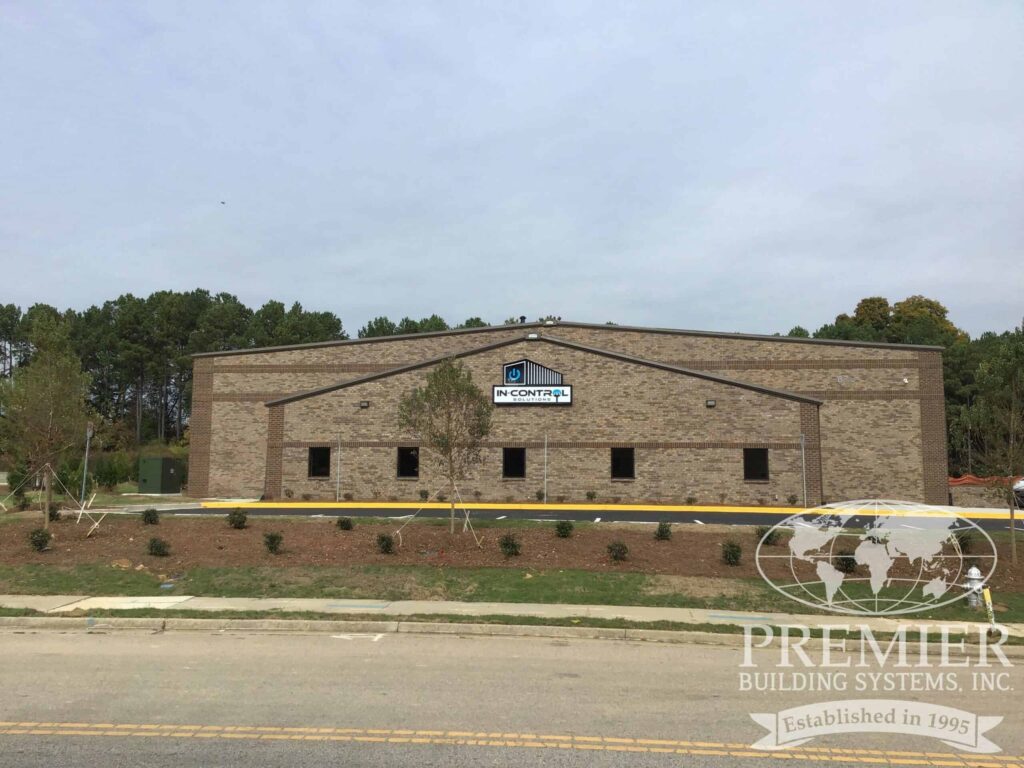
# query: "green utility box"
{"type": "Point", "coordinates": [159, 475]}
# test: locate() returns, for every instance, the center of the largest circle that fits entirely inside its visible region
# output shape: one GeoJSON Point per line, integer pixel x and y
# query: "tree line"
{"type": "Point", "coordinates": [137, 351]}
{"type": "Point", "coordinates": [136, 355]}
{"type": "Point", "coordinates": [983, 377]}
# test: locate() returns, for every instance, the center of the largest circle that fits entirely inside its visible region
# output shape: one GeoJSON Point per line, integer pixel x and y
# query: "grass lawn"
{"type": "Point", "coordinates": [124, 494]}
{"type": "Point", "coordinates": [509, 585]}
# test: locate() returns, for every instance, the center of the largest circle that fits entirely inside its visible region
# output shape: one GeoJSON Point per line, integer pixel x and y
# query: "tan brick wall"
{"type": "Point", "coordinates": [682, 447]}
{"type": "Point", "coordinates": [201, 425]}
{"type": "Point", "coordinates": [933, 430]}
{"type": "Point", "coordinates": [238, 450]}
{"type": "Point", "coordinates": [871, 449]}
{"type": "Point", "coordinates": [978, 496]}
{"type": "Point", "coordinates": [857, 384]}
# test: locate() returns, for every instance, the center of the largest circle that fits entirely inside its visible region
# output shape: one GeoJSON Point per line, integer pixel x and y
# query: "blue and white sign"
{"type": "Point", "coordinates": [527, 383]}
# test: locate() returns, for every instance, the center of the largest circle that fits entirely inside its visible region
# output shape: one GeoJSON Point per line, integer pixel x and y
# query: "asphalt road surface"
{"type": "Point", "coordinates": [226, 699]}
{"type": "Point", "coordinates": [743, 516]}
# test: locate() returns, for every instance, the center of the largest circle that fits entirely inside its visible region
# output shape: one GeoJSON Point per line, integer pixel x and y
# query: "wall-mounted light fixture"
{"type": "Point", "coordinates": [710, 403]}
{"type": "Point", "coordinates": [364, 403]}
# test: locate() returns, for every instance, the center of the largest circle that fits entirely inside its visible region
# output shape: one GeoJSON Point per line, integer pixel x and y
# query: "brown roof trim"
{"type": "Point", "coordinates": [557, 342]}
{"type": "Point", "coordinates": [368, 340]}
{"type": "Point", "coordinates": [684, 371]}
{"type": "Point", "coordinates": [393, 371]}
{"type": "Point", "coordinates": [752, 336]}
{"type": "Point", "coordinates": [627, 328]}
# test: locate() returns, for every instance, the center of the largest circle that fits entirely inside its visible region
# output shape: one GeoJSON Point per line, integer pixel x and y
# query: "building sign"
{"type": "Point", "coordinates": [527, 383]}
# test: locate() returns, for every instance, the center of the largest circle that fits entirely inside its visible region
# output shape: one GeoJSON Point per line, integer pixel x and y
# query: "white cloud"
{"type": "Point", "coordinates": [724, 167]}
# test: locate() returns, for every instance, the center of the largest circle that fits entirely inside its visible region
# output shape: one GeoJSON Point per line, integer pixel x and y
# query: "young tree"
{"type": "Point", "coordinates": [44, 413]}
{"type": "Point", "coordinates": [450, 416]}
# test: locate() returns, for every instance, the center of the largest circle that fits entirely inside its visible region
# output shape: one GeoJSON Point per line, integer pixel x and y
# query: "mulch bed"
{"type": "Point", "coordinates": [211, 542]}
{"type": "Point", "coordinates": [692, 551]}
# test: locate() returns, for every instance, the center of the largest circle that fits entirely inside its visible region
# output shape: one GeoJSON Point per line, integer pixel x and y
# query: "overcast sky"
{"type": "Point", "coordinates": [722, 165]}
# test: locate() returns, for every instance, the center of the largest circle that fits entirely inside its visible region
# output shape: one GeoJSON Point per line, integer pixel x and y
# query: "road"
{"type": "Point", "coordinates": [227, 699]}
{"type": "Point", "coordinates": [990, 520]}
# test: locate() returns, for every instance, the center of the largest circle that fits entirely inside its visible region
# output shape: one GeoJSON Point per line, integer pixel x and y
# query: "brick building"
{"type": "Point", "coordinates": [625, 413]}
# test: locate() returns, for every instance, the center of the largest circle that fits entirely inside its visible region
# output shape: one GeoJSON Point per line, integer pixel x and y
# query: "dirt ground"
{"type": "Point", "coordinates": [692, 553]}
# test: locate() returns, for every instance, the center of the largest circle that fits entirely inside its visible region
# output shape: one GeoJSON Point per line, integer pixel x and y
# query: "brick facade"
{"type": "Point", "coordinates": [682, 450]}
{"type": "Point", "coordinates": [880, 431]}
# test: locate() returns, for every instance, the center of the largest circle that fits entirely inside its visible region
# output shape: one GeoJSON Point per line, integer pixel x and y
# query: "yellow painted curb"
{"type": "Point", "coordinates": [969, 513]}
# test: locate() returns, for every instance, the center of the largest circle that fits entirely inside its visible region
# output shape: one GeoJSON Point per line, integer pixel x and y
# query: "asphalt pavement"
{"type": "Point", "coordinates": [988, 519]}
{"type": "Point", "coordinates": [232, 698]}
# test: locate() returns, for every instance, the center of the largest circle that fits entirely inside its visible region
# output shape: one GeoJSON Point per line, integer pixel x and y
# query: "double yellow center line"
{"type": "Point", "coordinates": [503, 739]}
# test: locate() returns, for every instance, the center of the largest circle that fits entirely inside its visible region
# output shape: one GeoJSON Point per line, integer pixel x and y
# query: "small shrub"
{"type": "Point", "coordinates": [563, 529]}
{"type": "Point", "coordinates": [792, 499]}
{"type": "Point", "coordinates": [289, 493]}
{"type": "Point", "coordinates": [150, 517]}
{"type": "Point", "coordinates": [424, 494]}
{"type": "Point", "coordinates": [347, 496]}
{"type": "Point", "coordinates": [618, 551]}
{"type": "Point", "coordinates": [40, 539]}
{"type": "Point", "coordinates": [159, 547]}
{"type": "Point", "coordinates": [845, 562]}
{"type": "Point", "coordinates": [762, 500]}
{"type": "Point", "coordinates": [345, 523]}
{"type": "Point", "coordinates": [965, 540]}
{"type": "Point", "coordinates": [591, 495]}
{"type": "Point", "coordinates": [539, 494]}
{"type": "Point", "coordinates": [509, 545]}
{"type": "Point", "coordinates": [768, 535]}
{"type": "Point", "coordinates": [691, 500]}
{"type": "Point", "coordinates": [307, 497]}
{"type": "Point", "coordinates": [441, 496]}
{"type": "Point", "coordinates": [385, 543]}
{"type": "Point", "coordinates": [732, 553]}
{"type": "Point", "coordinates": [237, 518]}
{"type": "Point", "coordinates": [272, 541]}
{"type": "Point", "coordinates": [561, 499]}
{"type": "Point", "coordinates": [53, 513]}
{"type": "Point", "coordinates": [664, 531]}
{"type": "Point", "coordinates": [478, 494]}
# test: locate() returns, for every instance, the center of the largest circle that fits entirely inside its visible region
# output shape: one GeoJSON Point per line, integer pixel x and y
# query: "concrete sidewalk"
{"type": "Point", "coordinates": [63, 604]}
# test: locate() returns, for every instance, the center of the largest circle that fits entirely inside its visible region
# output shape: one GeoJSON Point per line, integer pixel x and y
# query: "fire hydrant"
{"type": "Point", "coordinates": [975, 583]}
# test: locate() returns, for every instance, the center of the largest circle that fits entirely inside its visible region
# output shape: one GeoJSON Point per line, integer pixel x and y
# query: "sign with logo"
{"type": "Point", "coordinates": [864, 560]}
{"type": "Point", "coordinates": [527, 383]}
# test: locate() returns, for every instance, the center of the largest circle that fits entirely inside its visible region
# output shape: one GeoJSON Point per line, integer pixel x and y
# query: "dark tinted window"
{"type": "Point", "coordinates": [513, 462]}
{"type": "Point", "coordinates": [319, 462]}
{"type": "Point", "coordinates": [623, 464]}
{"type": "Point", "coordinates": [408, 462]}
{"type": "Point", "coordinates": [755, 463]}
